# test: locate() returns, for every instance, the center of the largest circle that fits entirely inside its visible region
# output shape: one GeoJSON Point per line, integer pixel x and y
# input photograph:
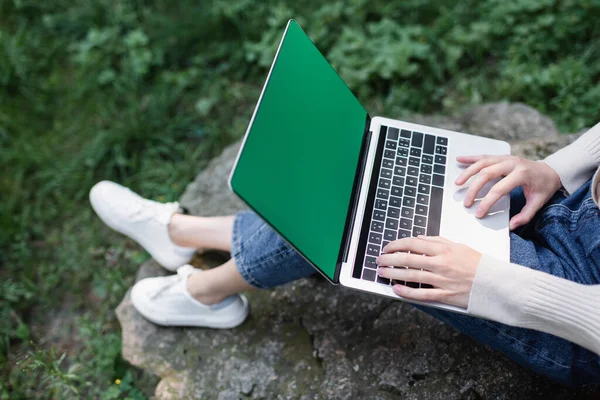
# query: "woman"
{"type": "Point", "coordinates": [541, 301]}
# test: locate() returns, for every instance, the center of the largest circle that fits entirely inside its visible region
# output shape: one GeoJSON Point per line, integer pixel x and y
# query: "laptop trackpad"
{"type": "Point", "coordinates": [491, 220]}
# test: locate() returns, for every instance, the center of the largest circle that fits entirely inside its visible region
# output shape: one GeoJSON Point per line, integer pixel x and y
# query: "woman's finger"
{"type": "Point", "coordinates": [404, 260]}
{"type": "Point", "coordinates": [420, 294]}
{"type": "Point", "coordinates": [483, 177]}
{"type": "Point", "coordinates": [496, 192]}
{"type": "Point", "coordinates": [435, 239]}
{"type": "Point", "coordinates": [475, 168]}
{"type": "Point", "coordinates": [410, 275]}
{"type": "Point", "coordinates": [470, 159]}
{"type": "Point", "coordinates": [413, 245]}
{"type": "Point", "coordinates": [527, 213]}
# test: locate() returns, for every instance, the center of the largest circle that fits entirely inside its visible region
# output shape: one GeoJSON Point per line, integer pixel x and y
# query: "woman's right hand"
{"type": "Point", "coordinates": [538, 179]}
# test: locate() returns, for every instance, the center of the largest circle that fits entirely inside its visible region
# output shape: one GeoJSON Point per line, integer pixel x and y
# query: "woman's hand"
{"type": "Point", "coordinates": [450, 267]}
{"type": "Point", "coordinates": [538, 179]}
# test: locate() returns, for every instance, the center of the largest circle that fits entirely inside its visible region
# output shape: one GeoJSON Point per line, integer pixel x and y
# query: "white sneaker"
{"type": "Point", "coordinates": [144, 221]}
{"type": "Point", "coordinates": [166, 301]}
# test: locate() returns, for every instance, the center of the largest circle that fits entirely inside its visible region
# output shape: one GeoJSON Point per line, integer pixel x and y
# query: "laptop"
{"type": "Point", "coordinates": [338, 185]}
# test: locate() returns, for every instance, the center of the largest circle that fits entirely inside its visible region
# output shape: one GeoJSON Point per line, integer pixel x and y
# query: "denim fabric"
{"type": "Point", "coordinates": [563, 239]}
{"type": "Point", "coordinates": [262, 257]}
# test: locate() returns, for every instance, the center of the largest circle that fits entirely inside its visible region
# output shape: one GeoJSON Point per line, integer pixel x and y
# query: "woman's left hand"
{"type": "Point", "coordinates": [450, 267]}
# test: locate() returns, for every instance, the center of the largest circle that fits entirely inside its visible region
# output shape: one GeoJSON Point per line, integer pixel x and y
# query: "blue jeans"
{"type": "Point", "coordinates": [563, 239]}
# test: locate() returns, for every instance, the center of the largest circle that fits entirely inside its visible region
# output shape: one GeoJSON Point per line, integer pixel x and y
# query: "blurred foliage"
{"type": "Point", "coordinates": [144, 92]}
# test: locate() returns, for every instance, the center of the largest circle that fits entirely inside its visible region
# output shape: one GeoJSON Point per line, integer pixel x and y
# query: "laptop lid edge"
{"type": "Point", "coordinates": [358, 182]}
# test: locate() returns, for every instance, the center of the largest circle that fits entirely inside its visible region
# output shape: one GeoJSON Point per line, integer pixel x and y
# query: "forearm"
{"type": "Point", "coordinates": [519, 296]}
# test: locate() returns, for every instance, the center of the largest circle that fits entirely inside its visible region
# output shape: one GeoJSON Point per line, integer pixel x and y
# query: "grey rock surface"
{"type": "Point", "coordinates": [312, 340]}
{"type": "Point", "coordinates": [508, 121]}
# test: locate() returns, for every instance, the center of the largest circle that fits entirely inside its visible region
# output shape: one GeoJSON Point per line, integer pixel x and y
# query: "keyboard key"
{"type": "Point", "coordinates": [410, 191]}
{"type": "Point", "coordinates": [441, 150]}
{"type": "Point", "coordinates": [408, 202]}
{"type": "Point", "coordinates": [381, 204]}
{"type": "Point", "coordinates": [427, 159]}
{"type": "Point", "coordinates": [406, 223]}
{"type": "Point", "coordinates": [420, 221]}
{"type": "Point", "coordinates": [386, 173]}
{"type": "Point", "coordinates": [415, 162]}
{"type": "Point", "coordinates": [396, 191]}
{"type": "Point", "coordinates": [421, 209]}
{"type": "Point", "coordinates": [429, 144]}
{"type": "Point", "coordinates": [370, 262]}
{"type": "Point", "coordinates": [426, 286]}
{"type": "Point", "coordinates": [390, 145]}
{"type": "Point", "coordinates": [373, 250]}
{"type": "Point", "coordinates": [384, 183]}
{"type": "Point", "coordinates": [442, 140]}
{"type": "Point", "coordinates": [375, 238]}
{"type": "Point", "coordinates": [424, 189]}
{"type": "Point", "coordinates": [404, 142]}
{"type": "Point", "coordinates": [379, 215]}
{"type": "Point", "coordinates": [415, 152]}
{"type": "Point", "coordinates": [423, 199]}
{"type": "Point", "coordinates": [377, 226]}
{"type": "Point", "coordinates": [418, 231]}
{"type": "Point", "coordinates": [440, 159]}
{"type": "Point", "coordinates": [395, 201]}
{"type": "Point", "coordinates": [393, 212]}
{"type": "Point", "coordinates": [401, 161]}
{"type": "Point", "coordinates": [382, 280]}
{"type": "Point", "coordinates": [385, 243]}
{"type": "Point", "coordinates": [391, 223]}
{"type": "Point", "coordinates": [424, 179]}
{"type": "Point", "coordinates": [402, 152]}
{"type": "Point", "coordinates": [402, 234]}
{"type": "Point", "coordinates": [389, 235]}
{"type": "Point", "coordinates": [383, 193]}
{"type": "Point", "coordinates": [426, 169]}
{"type": "Point", "coordinates": [369, 274]}
{"type": "Point", "coordinates": [387, 163]}
{"type": "Point", "coordinates": [413, 171]}
{"type": "Point", "coordinates": [404, 133]}
{"type": "Point", "coordinates": [411, 181]}
{"type": "Point", "coordinates": [413, 284]}
{"type": "Point", "coordinates": [417, 139]}
{"type": "Point", "coordinates": [438, 180]}
{"type": "Point", "coordinates": [393, 133]}
{"type": "Point", "coordinates": [401, 171]}
{"type": "Point", "coordinates": [435, 211]}
{"type": "Point", "coordinates": [398, 181]}
{"type": "Point", "coordinates": [439, 169]}
{"type": "Point", "coordinates": [407, 212]}
{"type": "Point", "coordinates": [389, 154]}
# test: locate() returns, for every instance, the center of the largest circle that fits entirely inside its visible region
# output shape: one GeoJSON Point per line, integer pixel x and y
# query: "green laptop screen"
{"type": "Point", "coordinates": [300, 155]}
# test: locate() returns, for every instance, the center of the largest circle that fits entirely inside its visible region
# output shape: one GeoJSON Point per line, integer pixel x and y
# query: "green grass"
{"type": "Point", "coordinates": [145, 93]}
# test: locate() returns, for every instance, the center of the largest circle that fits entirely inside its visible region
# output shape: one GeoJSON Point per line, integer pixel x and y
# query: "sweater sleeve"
{"type": "Point", "coordinates": [576, 163]}
{"type": "Point", "coordinates": [520, 296]}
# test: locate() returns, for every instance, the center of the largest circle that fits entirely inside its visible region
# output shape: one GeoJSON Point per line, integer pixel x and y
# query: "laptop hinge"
{"type": "Point", "coordinates": [358, 179]}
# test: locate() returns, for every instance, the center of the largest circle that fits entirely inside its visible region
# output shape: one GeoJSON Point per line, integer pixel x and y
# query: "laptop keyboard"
{"type": "Point", "coordinates": [405, 196]}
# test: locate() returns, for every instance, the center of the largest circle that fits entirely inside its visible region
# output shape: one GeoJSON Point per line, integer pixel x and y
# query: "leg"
{"type": "Point", "coordinates": [559, 241]}
{"type": "Point", "coordinates": [200, 232]}
{"type": "Point", "coordinates": [261, 258]}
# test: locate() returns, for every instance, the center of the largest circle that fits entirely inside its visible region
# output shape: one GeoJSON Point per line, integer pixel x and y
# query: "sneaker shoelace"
{"type": "Point", "coordinates": [182, 274]}
{"type": "Point", "coordinates": [137, 210]}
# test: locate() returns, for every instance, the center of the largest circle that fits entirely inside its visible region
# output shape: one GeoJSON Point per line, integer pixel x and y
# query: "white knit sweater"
{"type": "Point", "coordinates": [519, 296]}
